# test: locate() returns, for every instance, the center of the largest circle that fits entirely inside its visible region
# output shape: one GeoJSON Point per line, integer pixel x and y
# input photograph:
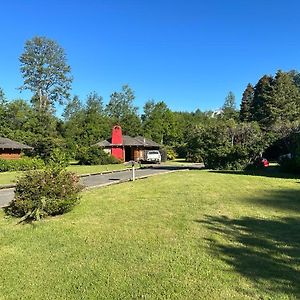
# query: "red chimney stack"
{"type": "Point", "coordinates": [117, 142]}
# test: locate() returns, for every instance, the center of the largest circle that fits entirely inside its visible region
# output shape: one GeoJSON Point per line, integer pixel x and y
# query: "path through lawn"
{"type": "Point", "coordinates": [186, 235]}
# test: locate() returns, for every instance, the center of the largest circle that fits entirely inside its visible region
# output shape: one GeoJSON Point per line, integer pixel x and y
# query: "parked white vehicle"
{"type": "Point", "coordinates": [153, 156]}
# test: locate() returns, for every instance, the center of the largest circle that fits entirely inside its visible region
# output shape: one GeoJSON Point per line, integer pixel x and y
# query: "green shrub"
{"type": "Point", "coordinates": [171, 154]}
{"type": "Point", "coordinates": [195, 156]}
{"type": "Point", "coordinates": [22, 164]}
{"type": "Point", "coordinates": [225, 144]}
{"type": "Point", "coordinates": [95, 156]}
{"type": "Point", "coordinates": [42, 193]}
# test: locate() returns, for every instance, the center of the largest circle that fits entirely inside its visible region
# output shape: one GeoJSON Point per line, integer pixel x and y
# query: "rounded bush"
{"type": "Point", "coordinates": [42, 193]}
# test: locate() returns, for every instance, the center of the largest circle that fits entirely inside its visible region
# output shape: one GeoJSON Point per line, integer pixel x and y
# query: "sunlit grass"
{"type": "Point", "coordinates": [186, 235]}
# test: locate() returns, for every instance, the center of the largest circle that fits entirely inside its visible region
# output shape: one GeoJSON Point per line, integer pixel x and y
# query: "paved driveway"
{"type": "Point", "coordinates": [106, 179]}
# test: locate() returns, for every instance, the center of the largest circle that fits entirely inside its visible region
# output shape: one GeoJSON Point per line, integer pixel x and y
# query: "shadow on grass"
{"type": "Point", "coordinates": [272, 171]}
{"type": "Point", "coordinates": [266, 251]}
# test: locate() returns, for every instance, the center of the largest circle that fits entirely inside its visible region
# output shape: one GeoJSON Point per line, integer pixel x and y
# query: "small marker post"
{"type": "Point", "coordinates": [133, 171]}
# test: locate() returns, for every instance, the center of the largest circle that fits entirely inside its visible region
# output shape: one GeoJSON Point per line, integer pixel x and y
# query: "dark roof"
{"type": "Point", "coordinates": [6, 143]}
{"type": "Point", "coordinates": [147, 142]}
{"type": "Point", "coordinates": [130, 141]}
{"type": "Point", "coordinates": [104, 143]}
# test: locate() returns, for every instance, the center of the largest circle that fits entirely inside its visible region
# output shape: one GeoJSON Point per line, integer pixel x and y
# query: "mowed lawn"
{"type": "Point", "coordinates": [185, 235]}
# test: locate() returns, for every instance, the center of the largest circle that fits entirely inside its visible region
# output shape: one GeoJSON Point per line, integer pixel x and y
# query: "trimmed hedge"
{"type": "Point", "coordinates": [22, 164]}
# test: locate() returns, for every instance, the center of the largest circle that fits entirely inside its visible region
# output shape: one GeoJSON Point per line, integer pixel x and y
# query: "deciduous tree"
{"type": "Point", "coordinates": [46, 72]}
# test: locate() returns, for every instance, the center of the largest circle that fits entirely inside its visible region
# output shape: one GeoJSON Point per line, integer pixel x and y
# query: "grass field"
{"type": "Point", "coordinates": [186, 235]}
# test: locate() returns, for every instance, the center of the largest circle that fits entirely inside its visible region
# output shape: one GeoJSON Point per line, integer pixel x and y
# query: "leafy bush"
{"type": "Point", "coordinates": [225, 144]}
{"type": "Point", "coordinates": [95, 156]}
{"type": "Point", "coordinates": [44, 193]}
{"type": "Point", "coordinates": [22, 164]}
{"type": "Point", "coordinates": [171, 154]}
{"type": "Point", "coordinates": [195, 156]}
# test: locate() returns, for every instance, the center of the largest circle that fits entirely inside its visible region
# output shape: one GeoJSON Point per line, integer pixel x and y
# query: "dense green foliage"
{"type": "Point", "coordinates": [47, 192]}
{"type": "Point", "coordinates": [95, 156]}
{"type": "Point", "coordinates": [225, 144]}
{"type": "Point", "coordinates": [45, 72]}
{"type": "Point", "coordinates": [23, 164]}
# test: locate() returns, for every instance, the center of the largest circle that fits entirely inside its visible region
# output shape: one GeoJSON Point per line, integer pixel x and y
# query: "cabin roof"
{"type": "Point", "coordinates": [6, 143]}
{"type": "Point", "coordinates": [130, 141]}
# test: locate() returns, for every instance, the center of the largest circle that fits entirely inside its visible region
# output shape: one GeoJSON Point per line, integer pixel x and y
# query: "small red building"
{"type": "Point", "coordinates": [125, 147]}
{"type": "Point", "coordinates": [10, 149]}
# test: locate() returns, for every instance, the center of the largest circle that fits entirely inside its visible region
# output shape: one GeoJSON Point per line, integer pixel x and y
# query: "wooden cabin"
{"type": "Point", "coordinates": [125, 147]}
{"type": "Point", "coordinates": [10, 149]}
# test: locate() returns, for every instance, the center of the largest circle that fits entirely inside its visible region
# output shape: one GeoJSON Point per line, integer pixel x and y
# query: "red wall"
{"type": "Point", "coordinates": [117, 139]}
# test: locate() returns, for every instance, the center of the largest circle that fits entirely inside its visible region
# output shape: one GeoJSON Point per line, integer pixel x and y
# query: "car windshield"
{"type": "Point", "coordinates": [153, 152]}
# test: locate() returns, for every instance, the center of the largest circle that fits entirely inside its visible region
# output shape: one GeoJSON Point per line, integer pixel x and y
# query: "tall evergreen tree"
{"type": "Point", "coordinates": [245, 111]}
{"type": "Point", "coordinates": [2, 96]}
{"type": "Point", "coordinates": [285, 104]}
{"type": "Point", "coordinates": [229, 107]}
{"type": "Point", "coordinates": [261, 97]}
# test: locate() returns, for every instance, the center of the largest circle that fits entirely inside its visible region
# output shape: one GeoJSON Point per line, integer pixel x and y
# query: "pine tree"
{"type": "Point", "coordinates": [229, 107]}
{"type": "Point", "coordinates": [262, 96]}
{"type": "Point", "coordinates": [245, 112]}
{"type": "Point", "coordinates": [285, 104]}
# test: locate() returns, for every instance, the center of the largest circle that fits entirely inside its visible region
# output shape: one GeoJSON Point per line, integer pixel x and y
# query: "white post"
{"type": "Point", "coordinates": [133, 173]}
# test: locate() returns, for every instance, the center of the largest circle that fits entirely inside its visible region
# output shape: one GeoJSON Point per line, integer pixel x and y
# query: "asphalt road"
{"type": "Point", "coordinates": [7, 195]}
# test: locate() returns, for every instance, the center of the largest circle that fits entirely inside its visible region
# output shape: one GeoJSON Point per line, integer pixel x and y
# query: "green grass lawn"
{"type": "Point", "coordinates": [185, 235]}
{"type": "Point", "coordinates": [11, 177]}
{"type": "Point", "coordinates": [94, 169]}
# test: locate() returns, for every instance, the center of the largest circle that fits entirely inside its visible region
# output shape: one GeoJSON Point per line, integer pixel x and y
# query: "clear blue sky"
{"type": "Point", "coordinates": [188, 53]}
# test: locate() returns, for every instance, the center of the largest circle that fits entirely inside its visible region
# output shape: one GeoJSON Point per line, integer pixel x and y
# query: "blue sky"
{"type": "Point", "coordinates": [188, 53]}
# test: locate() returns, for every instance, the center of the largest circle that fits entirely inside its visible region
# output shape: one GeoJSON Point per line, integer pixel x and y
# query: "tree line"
{"type": "Point", "coordinates": [267, 121]}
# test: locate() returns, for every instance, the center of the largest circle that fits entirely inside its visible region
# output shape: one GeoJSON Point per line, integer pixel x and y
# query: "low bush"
{"type": "Point", "coordinates": [47, 192]}
{"type": "Point", "coordinates": [167, 153]}
{"type": "Point", "coordinates": [95, 156]}
{"type": "Point", "coordinates": [23, 164]}
{"type": "Point", "coordinates": [171, 154]}
{"type": "Point", "coordinates": [195, 156]}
